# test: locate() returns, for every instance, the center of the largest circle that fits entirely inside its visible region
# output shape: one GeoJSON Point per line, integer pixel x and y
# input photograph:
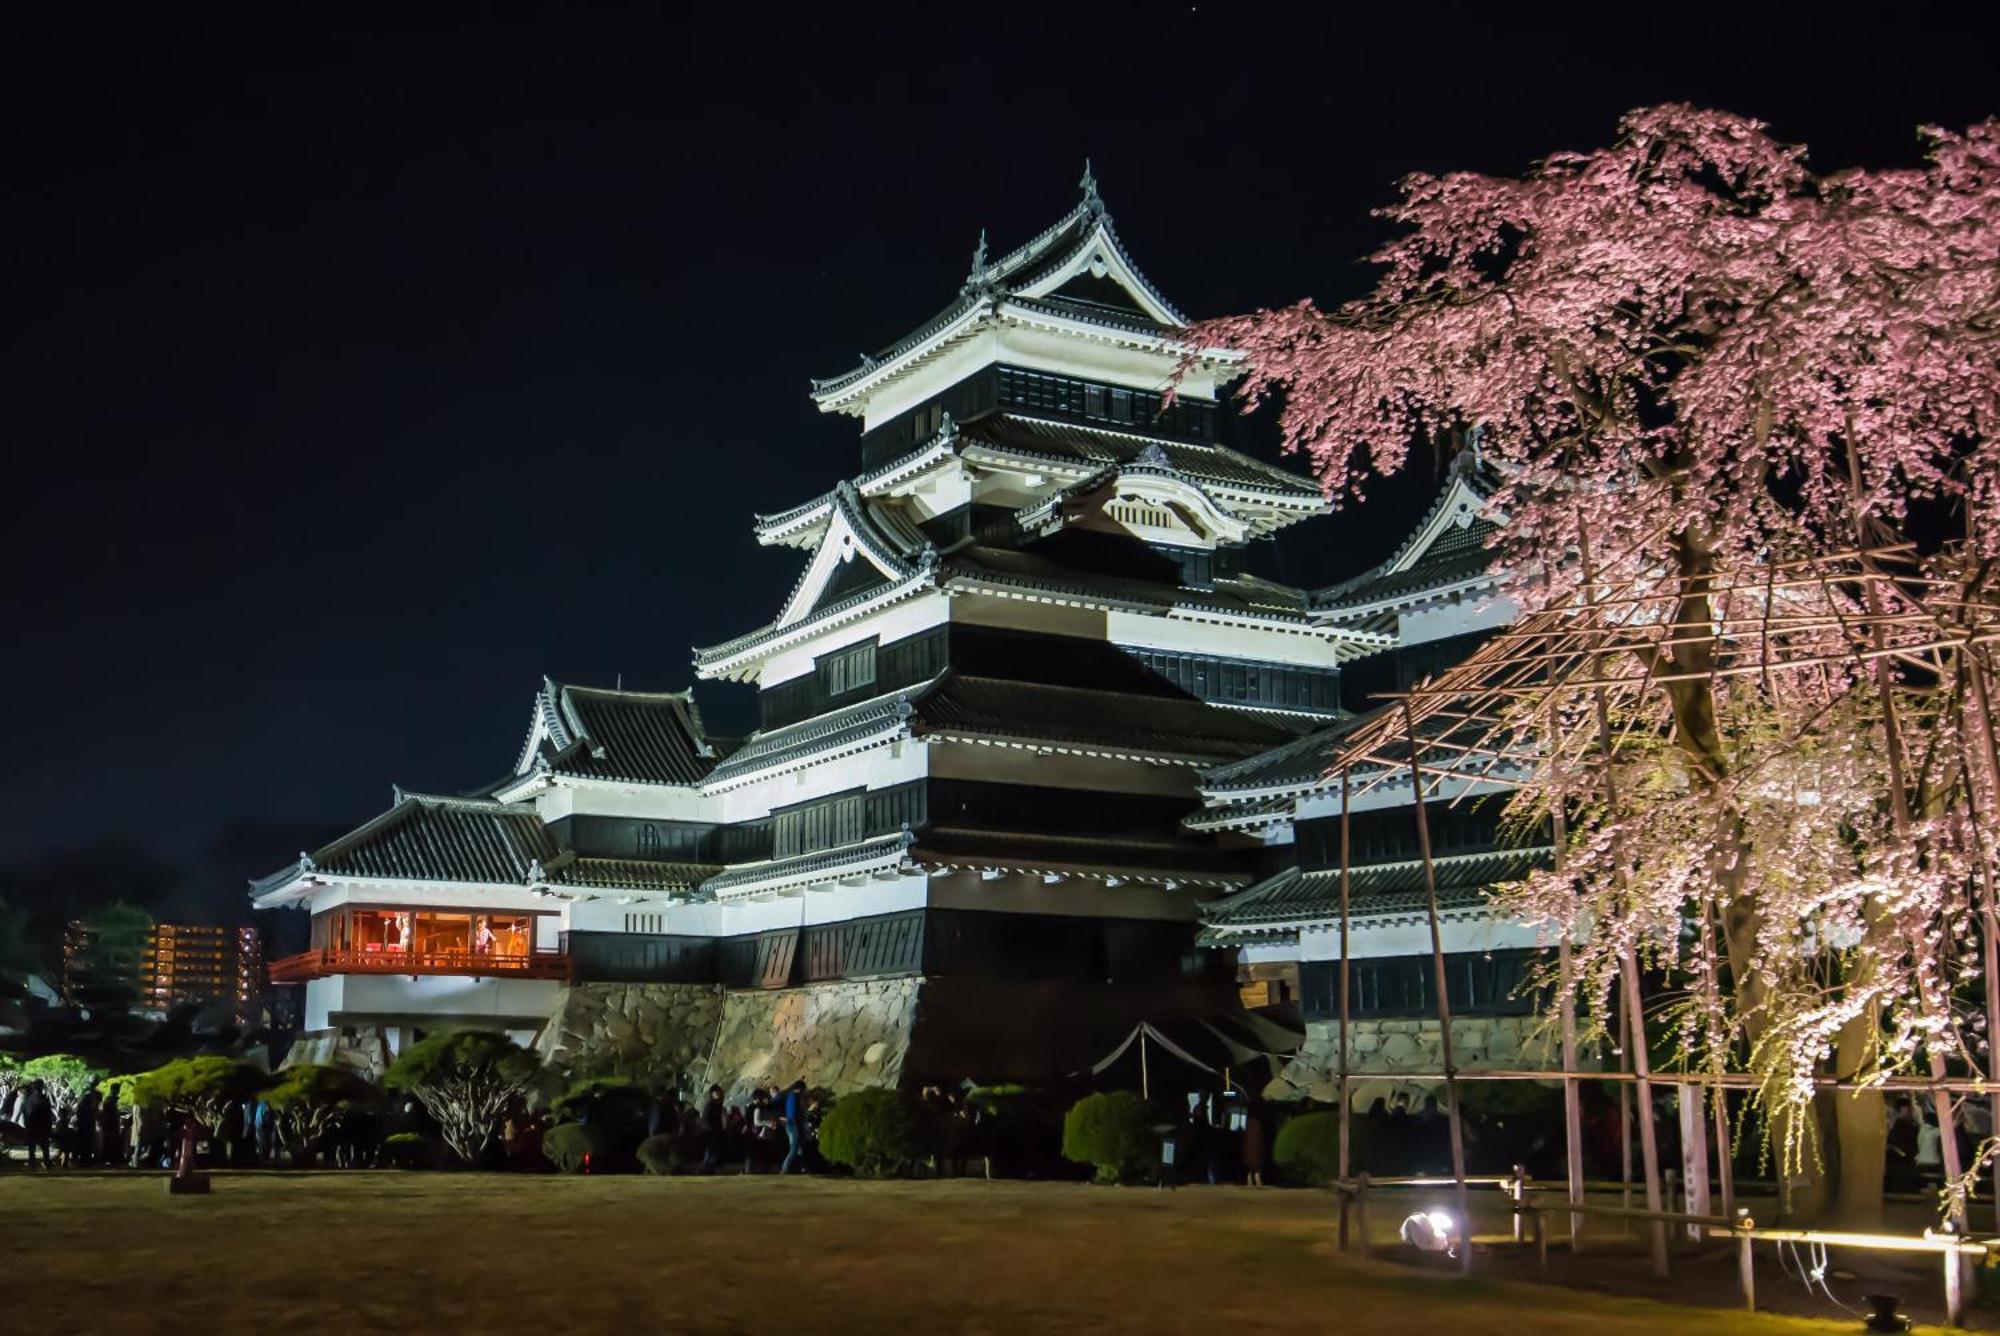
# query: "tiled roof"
{"type": "Point", "coordinates": [1241, 596]}
{"type": "Point", "coordinates": [1075, 444]}
{"type": "Point", "coordinates": [647, 737]}
{"type": "Point", "coordinates": [1150, 860]}
{"type": "Point", "coordinates": [1096, 720]}
{"type": "Point", "coordinates": [1019, 269]}
{"type": "Point", "coordinates": [1294, 896]}
{"type": "Point", "coordinates": [1457, 552]}
{"type": "Point", "coordinates": [428, 838]}
{"type": "Point", "coordinates": [633, 874]}
{"type": "Point", "coordinates": [1029, 712]}
{"type": "Point", "coordinates": [1302, 762]}
{"type": "Point", "coordinates": [777, 872]}
{"type": "Point", "coordinates": [827, 732]}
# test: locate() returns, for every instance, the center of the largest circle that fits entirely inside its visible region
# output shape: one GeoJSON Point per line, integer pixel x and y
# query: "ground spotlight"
{"type": "Point", "coordinates": [1430, 1231]}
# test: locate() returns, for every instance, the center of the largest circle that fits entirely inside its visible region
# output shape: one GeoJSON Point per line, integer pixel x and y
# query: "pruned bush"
{"type": "Point", "coordinates": [1113, 1133]}
{"type": "Point", "coordinates": [202, 1088]}
{"type": "Point", "coordinates": [667, 1154]}
{"type": "Point", "coordinates": [876, 1133]}
{"type": "Point", "coordinates": [309, 1099]}
{"type": "Point", "coordinates": [413, 1150]}
{"type": "Point", "coordinates": [1020, 1130]}
{"type": "Point", "coordinates": [1308, 1148]}
{"type": "Point", "coordinates": [571, 1146]}
{"type": "Point", "coordinates": [466, 1080]}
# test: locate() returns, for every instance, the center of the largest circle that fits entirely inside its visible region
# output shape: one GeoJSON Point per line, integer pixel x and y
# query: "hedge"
{"type": "Point", "coordinates": [875, 1133]}
{"type": "Point", "coordinates": [571, 1146]}
{"type": "Point", "coordinates": [668, 1153]}
{"type": "Point", "coordinates": [1308, 1148]}
{"type": "Point", "coordinates": [1113, 1133]}
{"type": "Point", "coordinates": [413, 1150]}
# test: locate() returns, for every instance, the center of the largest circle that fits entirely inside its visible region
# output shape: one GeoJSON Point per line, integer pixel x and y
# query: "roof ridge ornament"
{"type": "Point", "coordinates": [980, 281]}
{"type": "Point", "coordinates": [1092, 201]}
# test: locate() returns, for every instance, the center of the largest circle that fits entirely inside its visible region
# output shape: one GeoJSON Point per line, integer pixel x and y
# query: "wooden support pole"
{"type": "Point", "coordinates": [1455, 1119]}
{"type": "Point", "coordinates": [1624, 1138]}
{"type": "Point", "coordinates": [1746, 1273]}
{"type": "Point", "coordinates": [1346, 1095]}
{"type": "Point", "coordinates": [1954, 1287]}
{"type": "Point", "coordinates": [1694, 1151]}
{"type": "Point", "coordinates": [1572, 1092]}
{"type": "Point", "coordinates": [1649, 1142]}
{"type": "Point", "coordinates": [1628, 969]}
{"type": "Point", "coordinates": [1724, 1159]}
{"type": "Point", "coordinates": [1989, 904]}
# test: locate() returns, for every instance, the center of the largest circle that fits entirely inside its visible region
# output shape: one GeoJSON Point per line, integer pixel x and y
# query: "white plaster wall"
{"type": "Point", "coordinates": [1080, 897]}
{"type": "Point", "coordinates": [427, 995]}
{"type": "Point", "coordinates": [659, 802]}
{"type": "Point", "coordinates": [1036, 350]}
{"type": "Point", "coordinates": [880, 766]}
{"type": "Point", "coordinates": [1017, 765]}
{"type": "Point", "coordinates": [916, 613]}
{"type": "Point", "coordinates": [1409, 935]}
{"type": "Point", "coordinates": [1376, 793]}
{"type": "Point", "coordinates": [1316, 647]}
{"type": "Point", "coordinates": [1475, 612]}
{"type": "Point", "coordinates": [437, 895]}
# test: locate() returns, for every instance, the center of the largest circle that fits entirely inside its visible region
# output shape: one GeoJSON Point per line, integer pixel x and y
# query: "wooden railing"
{"type": "Point", "coordinates": [477, 964]}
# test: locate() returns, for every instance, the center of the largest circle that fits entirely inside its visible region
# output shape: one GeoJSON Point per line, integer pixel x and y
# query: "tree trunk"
{"type": "Point", "coordinates": [1862, 1125]}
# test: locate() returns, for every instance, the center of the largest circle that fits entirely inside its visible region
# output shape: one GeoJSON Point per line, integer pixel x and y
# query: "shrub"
{"type": "Point", "coordinates": [875, 1133]}
{"type": "Point", "coordinates": [413, 1150]}
{"type": "Point", "coordinates": [309, 1098]}
{"type": "Point", "coordinates": [65, 1078]}
{"type": "Point", "coordinates": [1308, 1147]}
{"type": "Point", "coordinates": [1113, 1133]}
{"type": "Point", "coordinates": [465, 1080]}
{"type": "Point", "coordinates": [199, 1088]}
{"type": "Point", "coordinates": [667, 1154]}
{"type": "Point", "coordinates": [571, 1146]}
{"type": "Point", "coordinates": [1020, 1130]}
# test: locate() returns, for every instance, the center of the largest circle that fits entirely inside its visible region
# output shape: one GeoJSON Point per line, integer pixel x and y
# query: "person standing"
{"type": "Point", "coordinates": [792, 1113]}
{"type": "Point", "coordinates": [711, 1130]}
{"type": "Point", "coordinates": [38, 1121]}
{"type": "Point", "coordinates": [1254, 1147]}
{"type": "Point", "coordinates": [109, 1125]}
{"type": "Point", "coordinates": [1930, 1149]}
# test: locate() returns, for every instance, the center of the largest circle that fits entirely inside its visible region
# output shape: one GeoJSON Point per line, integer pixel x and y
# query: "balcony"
{"type": "Point", "coordinates": [466, 964]}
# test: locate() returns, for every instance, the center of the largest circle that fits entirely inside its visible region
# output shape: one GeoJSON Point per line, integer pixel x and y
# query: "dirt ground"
{"type": "Point", "coordinates": [285, 1253]}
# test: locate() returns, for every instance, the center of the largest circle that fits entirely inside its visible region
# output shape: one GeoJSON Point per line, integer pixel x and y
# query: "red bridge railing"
{"type": "Point", "coordinates": [476, 964]}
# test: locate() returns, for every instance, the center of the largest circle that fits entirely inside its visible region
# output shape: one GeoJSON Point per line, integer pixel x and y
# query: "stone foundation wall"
{"type": "Point", "coordinates": [653, 1032]}
{"type": "Point", "coordinates": [843, 1036]}
{"type": "Point", "coordinates": [852, 1034]}
{"type": "Point", "coordinates": [1382, 1048]}
{"type": "Point", "coordinates": [366, 1052]}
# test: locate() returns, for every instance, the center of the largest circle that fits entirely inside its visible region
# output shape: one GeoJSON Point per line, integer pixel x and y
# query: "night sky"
{"type": "Point", "coordinates": [357, 376]}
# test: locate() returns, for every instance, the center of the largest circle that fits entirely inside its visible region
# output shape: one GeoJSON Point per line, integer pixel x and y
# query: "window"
{"type": "Point", "coordinates": [847, 670]}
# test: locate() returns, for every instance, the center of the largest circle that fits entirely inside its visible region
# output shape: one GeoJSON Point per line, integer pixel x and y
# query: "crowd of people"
{"type": "Point", "coordinates": [775, 1129]}
{"type": "Point", "coordinates": [98, 1130]}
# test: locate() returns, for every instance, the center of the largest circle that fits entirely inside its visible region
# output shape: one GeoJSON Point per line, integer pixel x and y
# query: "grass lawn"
{"type": "Point", "coordinates": [277, 1253]}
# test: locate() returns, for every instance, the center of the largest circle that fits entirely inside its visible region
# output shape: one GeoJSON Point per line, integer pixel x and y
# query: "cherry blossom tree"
{"type": "Point", "coordinates": [1694, 362]}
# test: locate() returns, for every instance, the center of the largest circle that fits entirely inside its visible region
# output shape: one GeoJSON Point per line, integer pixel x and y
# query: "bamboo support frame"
{"type": "Point", "coordinates": [1555, 661]}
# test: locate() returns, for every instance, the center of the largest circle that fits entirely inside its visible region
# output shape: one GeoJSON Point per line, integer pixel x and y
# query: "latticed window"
{"type": "Point", "coordinates": [849, 669]}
